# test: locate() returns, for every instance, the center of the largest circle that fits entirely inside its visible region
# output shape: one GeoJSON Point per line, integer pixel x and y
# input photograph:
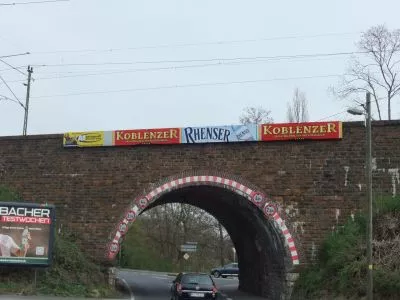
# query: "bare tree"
{"type": "Point", "coordinates": [171, 225]}
{"type": "Point", "coordinates": [377, 70]}
{"type": "Point", "coordinates": [297, 111]}
{"type": "Point", "coordinates": [255, 115]}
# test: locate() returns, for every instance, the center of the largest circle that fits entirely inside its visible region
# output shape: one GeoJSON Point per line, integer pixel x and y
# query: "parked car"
{"type": "Point", "coordinates": [231, 269]}
{"type": "Point", "coordinates": [193, 286]}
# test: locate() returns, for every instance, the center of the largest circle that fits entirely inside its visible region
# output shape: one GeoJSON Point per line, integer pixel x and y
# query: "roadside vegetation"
{"type": "Point", "coordinates": [71, 273]}
{"type": "Point", "coordinates": [137, 252]}
{"type": "Point", "coordinates": [342, 266]}
{"type": "Point", "coordinates": [153, 241]}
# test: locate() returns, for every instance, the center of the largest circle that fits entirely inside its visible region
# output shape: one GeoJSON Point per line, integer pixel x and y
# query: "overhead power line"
{"type": "Point", "coordinates": [186, 86]}
{"type": "Point", "coordinates": [2, 97]}
{"type": "Point", "coordinates": [278, 57]}
{"type": "Point", "coordinates": [345, 111]}
{"type": "Point", "coordinates": [12, 55]}
{"type": "Point", "coordinates": [218, 61]}
{"type": "Point", "coordinates": [77, 74]}
{"type": "Point", "coordinates": [31, 2]}
{"type": "Point", "coordinates": [330, 116]}
{"type": "Point", "coordinates": [222, 42]}
{"type": "Point", "coordinates": [12, 67]}
{"type": "Point", "coordinates": [15, 96]}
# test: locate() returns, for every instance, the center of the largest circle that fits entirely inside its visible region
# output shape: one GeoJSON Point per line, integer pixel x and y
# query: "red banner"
{"type": "Point", "coordinates": [147, 136]}
{"type": "Point", "coordinates": [301, 131]}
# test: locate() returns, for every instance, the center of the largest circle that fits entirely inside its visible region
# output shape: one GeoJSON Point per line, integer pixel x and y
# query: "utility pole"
{"type": "Point", "coordinates": [369, 198]}
{"type": "Point", "coordinates": [26, 106]}
{"type": "Point", "coordinates": [368, 179]}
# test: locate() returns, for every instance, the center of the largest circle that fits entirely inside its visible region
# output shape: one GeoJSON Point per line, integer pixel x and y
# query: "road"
{"type": "Point", "coordinates": [148, 285]}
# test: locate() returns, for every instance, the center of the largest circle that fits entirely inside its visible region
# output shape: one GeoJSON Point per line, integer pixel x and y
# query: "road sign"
{"type": "Point", "coordinates": [191, 243]}
{"type": "Point", "coordinates": [188, 248]}
{"type": "Point", "coordinates": [186, 256]}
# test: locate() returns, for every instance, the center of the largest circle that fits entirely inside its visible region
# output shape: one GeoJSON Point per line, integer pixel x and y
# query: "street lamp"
{"type": "Point", "coordinates": [355, 111]}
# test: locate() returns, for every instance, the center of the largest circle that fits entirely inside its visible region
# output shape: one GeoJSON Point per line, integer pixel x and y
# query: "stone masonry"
{"type": "Point", "coordinates": [316, 185]}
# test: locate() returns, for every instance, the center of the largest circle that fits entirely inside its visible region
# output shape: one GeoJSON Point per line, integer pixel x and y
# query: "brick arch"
{"type": "Point", "coordinates": [256, 197]}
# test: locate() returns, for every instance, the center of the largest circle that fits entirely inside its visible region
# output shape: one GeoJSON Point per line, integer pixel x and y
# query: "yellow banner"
{"type": "Point", "coordinates": [84, 139]}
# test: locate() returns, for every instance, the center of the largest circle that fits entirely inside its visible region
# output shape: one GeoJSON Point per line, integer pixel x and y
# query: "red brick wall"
{"type": "Point", "coordinates": [92, 187]}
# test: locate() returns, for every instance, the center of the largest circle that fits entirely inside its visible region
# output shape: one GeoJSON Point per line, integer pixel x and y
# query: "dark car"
{"type": "Point", "coordinates": [231, 269]}
{"type": "Point", "coordinates": [193, 286]}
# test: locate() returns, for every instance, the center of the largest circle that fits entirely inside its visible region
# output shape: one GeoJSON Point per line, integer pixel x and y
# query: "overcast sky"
{"type": "Point", "coordinates": [107, 65]}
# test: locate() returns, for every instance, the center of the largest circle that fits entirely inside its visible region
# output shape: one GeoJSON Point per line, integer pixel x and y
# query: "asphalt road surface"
{"type": "Point", "coordinates": [148, 285]}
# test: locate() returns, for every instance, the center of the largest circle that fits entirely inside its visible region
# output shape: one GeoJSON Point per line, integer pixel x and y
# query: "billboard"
{"type": "Point", "coordinates": [26, 234]}
{"type": "Point", "coordinates": [84, 139]}
{"type": "Point", "coordinates": [207, 134]}
{"type": "Point", "coordinates": [219, 134]}
{"type": "Point", "coordinates": [301, 131]}
{"type": "Point", "coordinates": [147, 136]}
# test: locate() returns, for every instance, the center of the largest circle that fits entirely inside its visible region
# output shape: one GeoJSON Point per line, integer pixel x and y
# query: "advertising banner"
{"type": "Point", "coordinates": [220, 134]}
{"type": "Point", "coordinates": [301, 131]}
{"type": "Point", "coordinates": [84, 139]}
{"type": "Point", "coordinates": [26, 234]}
{"type": "Point", "coordinates": [206, 134]}
{"type": "Point", "coordinates": [147, 136]}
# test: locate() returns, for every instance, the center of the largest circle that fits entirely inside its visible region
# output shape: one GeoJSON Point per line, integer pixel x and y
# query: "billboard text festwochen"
{"type": "Point", "coordinates": [207, 134]}
{"type": "Point", "coordinates": [25, 215]}
{"type": "Point", "coordinates": [26, 234]}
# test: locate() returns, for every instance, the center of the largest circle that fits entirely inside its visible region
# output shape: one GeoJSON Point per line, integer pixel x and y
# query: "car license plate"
{"type": "Point", "coordinates": [197, 295]}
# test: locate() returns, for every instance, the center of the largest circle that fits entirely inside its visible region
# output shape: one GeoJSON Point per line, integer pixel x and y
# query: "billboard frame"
{"type": "Point", "coordinates": [51, 238]}
{"type": "Point", "coordinates": [273, 132]}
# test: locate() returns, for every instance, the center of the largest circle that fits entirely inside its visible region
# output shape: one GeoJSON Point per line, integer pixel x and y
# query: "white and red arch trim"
{"type": "Point", "coordinates": [269, 209]}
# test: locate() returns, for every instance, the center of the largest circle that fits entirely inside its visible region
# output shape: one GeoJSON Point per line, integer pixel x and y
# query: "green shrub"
{"type": "Point", "coordinates": [8, 195]}
{"type": "Point", "coordinates": [71, 273]}
{"type": "Point", "coordinates": [341, 268]}
{"type": "Point", "coordinates": [386, 204]}
{"type": "Point", "coordinates": [137, 254]}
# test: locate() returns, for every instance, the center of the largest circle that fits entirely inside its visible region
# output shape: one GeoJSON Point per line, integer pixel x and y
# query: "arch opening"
{"type": "Point", "coordinates": [265, 249]}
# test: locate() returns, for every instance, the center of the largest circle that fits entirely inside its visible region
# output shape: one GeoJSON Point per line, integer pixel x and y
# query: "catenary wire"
{"type": "Point", "coordinates": [14, 68]}
{"type": "Point", "coordinates": [31, 2]}
{"type": "Point", "coordinates": [279, 57]}
{"type": "Point", "coordinates": [127, 70]}
{"type": "Point", "coordinates": [223, 42]}
{"type": "Point", "coordinates": [121, 71]}
{"type": "Point", "coordinates": [186, 86]}
{"type": "Point", "coordinates": [12, 55]}
{"type": "Point", "coordinates": [15, 96]}
{"type": "Point", "coordinates": [4, 98]}
{"type": "Point", "coordinates": [219, 60]}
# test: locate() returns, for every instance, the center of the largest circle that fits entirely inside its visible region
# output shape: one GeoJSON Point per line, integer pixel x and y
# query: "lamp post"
{"type": "Point", "coordinates": [369, 191]}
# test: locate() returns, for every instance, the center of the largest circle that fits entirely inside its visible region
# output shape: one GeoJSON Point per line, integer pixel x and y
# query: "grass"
{"type": "Point", "coordinates": [71, 275]}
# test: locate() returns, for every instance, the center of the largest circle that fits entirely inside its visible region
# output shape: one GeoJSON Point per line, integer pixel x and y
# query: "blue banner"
{"type": "Point", "coordinates": [219, 134]}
